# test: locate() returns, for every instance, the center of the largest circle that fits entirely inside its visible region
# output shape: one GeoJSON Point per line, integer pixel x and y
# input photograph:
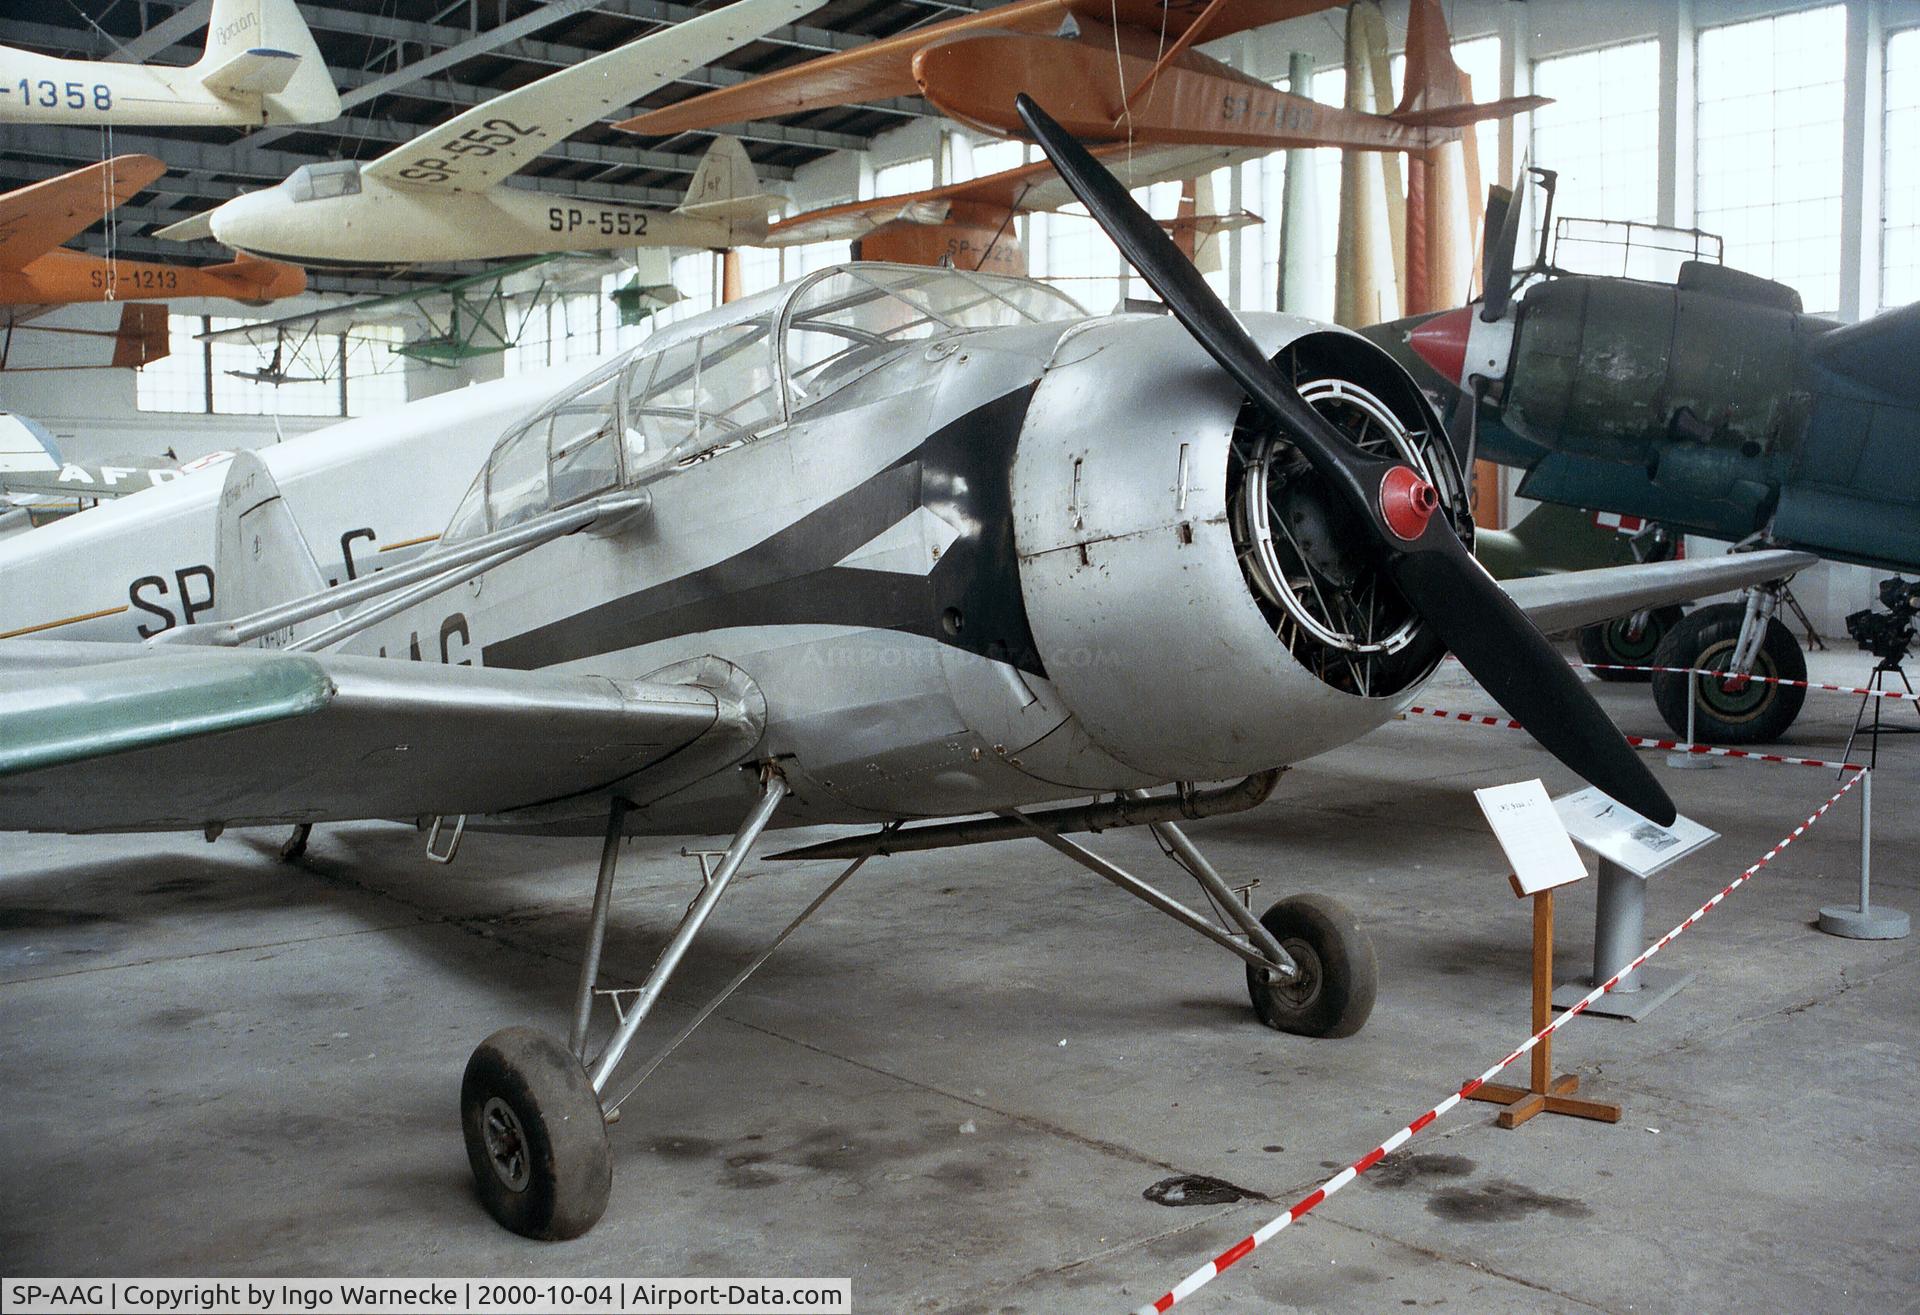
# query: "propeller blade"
{"type": "Point", "coordinates": [1498, 244]}
{"type": "Point", "coordinates": [1419, 549]}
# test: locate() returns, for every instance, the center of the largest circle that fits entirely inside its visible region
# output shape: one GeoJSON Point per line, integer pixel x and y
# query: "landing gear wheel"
{"type": "Point", "coordinates": [1616, 643]}
{"type": "Point", "coordinates": [1333, 995]}
{"type": "Point", "coordinates": [536, 1137]}
{"type": "Point", "coordinates": [1730, 711]}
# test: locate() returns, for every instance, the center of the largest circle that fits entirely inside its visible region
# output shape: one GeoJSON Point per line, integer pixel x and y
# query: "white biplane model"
{"type": "Point", "coordinates": [888, 544]}
{"type": "Point", "coordinates": [444, 195]}
{"type": "Point", "coordinates": [260, 66]}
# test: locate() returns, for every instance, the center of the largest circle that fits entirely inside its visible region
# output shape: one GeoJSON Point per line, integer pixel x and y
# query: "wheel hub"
{"type": "Point", "coordinates": [506, 1144]}
{"type": "Point", "coordinates": [1733, 696]}
{"type": "Point", "coordinates": [1300, 990]}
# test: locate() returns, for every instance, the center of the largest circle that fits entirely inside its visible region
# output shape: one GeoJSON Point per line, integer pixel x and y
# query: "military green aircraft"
{"type": "Point", "coordinates": [1708, 405]}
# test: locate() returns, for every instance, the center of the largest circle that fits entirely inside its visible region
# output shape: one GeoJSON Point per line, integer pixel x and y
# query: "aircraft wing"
{"type": "Point", "coordinates": [1028, 188]}
{"type": "Point", "coordinates": [121, 737]}
{"type": "Point", "coordinates": [1580, 598]}
{"type": "Point", "coordinates": [882, 69]}
{"type": "Point", "coordinates": [41, 216]}
{"type": "Point", "coordinates": [497, 138]}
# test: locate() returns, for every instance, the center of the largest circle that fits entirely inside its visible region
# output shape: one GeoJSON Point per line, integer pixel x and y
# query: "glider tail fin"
{"type": "Point", "coordinates": [263, 48]}
{"type": "Point", "coordinates": [260, 557]}
{"type": "Point", "coordinates": [725, 187]}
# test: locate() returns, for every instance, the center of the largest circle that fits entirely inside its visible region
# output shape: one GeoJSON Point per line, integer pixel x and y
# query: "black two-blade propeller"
{"type": "Point", "coordinates": [1417, 547]}
{"type": "Point", "coordinates": [1499, 239]}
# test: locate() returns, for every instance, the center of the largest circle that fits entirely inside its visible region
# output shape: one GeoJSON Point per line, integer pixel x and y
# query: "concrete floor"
{"type": "Point", "coordinates": [955, 1084]}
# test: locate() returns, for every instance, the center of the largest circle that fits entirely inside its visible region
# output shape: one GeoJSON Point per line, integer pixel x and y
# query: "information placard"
{"type": "Point", "coordinates": [1615, 832]}
{"type": "Point", "coordinates": [1532, 835]}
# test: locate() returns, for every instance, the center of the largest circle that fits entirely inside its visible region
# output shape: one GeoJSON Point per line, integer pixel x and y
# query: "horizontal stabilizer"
{"type": "Point", "coordinates": [191, 229]}
{"type": "Point", "coordinates": [253, 73]}
{"type": "Point", "coordinates": [1459, 116]}
{"type": "Point", "coordinates": [258, 281]}
{"type": "Point", "coordinates": [1580, 598]}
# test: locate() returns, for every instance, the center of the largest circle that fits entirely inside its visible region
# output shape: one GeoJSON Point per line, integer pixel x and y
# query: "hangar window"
{"type": "Point", "coordinates": [1900, 249]}
{"type": "Point", "coordinates": [1771, 104]}
{"type": "Point", "coordinates": [317, 182]}
{"type": "Point", "coordinates": [1602, 131]}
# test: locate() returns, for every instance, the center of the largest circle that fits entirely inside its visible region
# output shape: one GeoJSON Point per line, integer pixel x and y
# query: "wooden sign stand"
{"type": "Point", "coordinates": [1544, 1093]}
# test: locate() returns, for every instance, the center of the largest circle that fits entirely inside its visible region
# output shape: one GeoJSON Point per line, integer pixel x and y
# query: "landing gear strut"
{"type": "Point", "coordinates": [534, 1110]}
{"type": "Point", "coordinates": [1310, 969]}
{"type": "Point", "coordinates": [1734, 641]}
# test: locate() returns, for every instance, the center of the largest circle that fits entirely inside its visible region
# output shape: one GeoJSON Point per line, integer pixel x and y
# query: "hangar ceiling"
{"type": "Point", "coordinates": [404, 65]}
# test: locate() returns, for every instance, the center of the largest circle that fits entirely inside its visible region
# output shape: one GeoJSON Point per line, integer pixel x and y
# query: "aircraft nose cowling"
{"type": "Point", "coordinates": [1159, 530]}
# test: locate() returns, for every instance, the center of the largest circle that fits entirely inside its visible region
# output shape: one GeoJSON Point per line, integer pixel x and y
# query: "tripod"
{"type": "Point", "coordinates": [1889, 664]}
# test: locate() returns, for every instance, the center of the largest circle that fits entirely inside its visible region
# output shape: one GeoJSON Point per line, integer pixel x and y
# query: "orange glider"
{"type": "Point", "coordinates": [36, 270]}
{"type": "Point", "coordinates": [1110, 70]}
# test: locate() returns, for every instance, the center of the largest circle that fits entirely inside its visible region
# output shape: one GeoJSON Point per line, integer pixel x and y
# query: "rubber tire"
{"type": "Point", "coordinates": [569, 1164]}
{"type": "Point", "coordinates": [1602, 645]}
{"type": "Point", "coordinates": [1342, 973]}
{"type": "Point", "coordinates": [1707, 635]}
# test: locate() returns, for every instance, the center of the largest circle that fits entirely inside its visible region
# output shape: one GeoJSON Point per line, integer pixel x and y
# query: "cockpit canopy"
{"type": "Point", "coordinates": [317, 182]}
{"type": "Point", "coordinates": [716, 380]}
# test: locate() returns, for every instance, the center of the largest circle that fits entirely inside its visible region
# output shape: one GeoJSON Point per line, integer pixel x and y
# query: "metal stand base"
{"type": "Point", "coordinates": [1691, 762]}
{"type": "Point", "coordinates": [1878, 923]}
{"type": "Point", "coordinates": [1656, 987]}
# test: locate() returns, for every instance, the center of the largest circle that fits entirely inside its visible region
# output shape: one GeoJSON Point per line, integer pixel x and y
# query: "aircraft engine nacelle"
{"type": "Point", "coordinates": [1195, 597]}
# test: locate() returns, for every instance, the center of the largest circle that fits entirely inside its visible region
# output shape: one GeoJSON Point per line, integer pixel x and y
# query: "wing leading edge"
{"type": "Point", "coordinates": [125, 738]}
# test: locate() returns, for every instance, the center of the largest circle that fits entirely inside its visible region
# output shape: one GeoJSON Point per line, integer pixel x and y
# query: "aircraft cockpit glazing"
{"type": "Point", "coordinates": [715, 381]}
{"type": "Point", "coordinates": [319, 182]}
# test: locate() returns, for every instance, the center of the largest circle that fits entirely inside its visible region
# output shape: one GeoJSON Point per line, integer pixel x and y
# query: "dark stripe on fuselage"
{"type": "Point", "coordinates": [970, 600]}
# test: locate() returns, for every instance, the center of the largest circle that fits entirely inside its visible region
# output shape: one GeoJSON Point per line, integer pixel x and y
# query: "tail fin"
{"type": "Point", "coordinates": [256, 281]}
{"type": "Point", "coordinates": [260, 558]}
{"type": "Point", "coordinates": [142, 337]}
{"type": "Point", "coordinates": [263, 48]}
{"type": "Point", "coordinates": [1436, 94]}
{"type": "Point", "coordinates": [726, 188]}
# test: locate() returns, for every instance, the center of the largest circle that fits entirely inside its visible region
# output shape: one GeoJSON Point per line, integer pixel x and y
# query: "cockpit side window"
{"type": "Point", "coordinates": [701, 394]}
{"type": "Point", "coordinates": [517, 477]}
{"type": "Point", "coordinates": [583, 448]}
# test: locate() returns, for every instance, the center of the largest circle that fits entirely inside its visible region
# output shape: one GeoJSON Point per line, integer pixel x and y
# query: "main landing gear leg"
{"type": "Point", "coordinates": [532, 1108]}
{"type": "Point", "coordinates": [1310, 969]}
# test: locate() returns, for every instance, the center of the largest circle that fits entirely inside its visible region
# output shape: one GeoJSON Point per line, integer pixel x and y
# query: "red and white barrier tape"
{"type": "Point", "coordinates": [1765, 680]}
{"type": "Point", "coordinates": [1193, 1282]}
{"type": "Point", "coordinates": [1645, 742]}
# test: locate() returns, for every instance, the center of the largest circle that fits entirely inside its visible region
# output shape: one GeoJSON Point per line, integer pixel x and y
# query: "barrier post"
{"type": "Point", "coordinates": [1865, 923]}
{"type": "Point", "coordinates": [1680, 759]}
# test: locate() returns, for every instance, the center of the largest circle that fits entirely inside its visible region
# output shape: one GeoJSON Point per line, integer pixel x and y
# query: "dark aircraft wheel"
{"type": "Point", "coordinates": [1616, 643]}
{"type": "Point", "coordinates": [536, 1137]}
{"type": "Point", "coordinates": [1334, 993]}
{"type": "Point", "coordinates": [1730, 711]}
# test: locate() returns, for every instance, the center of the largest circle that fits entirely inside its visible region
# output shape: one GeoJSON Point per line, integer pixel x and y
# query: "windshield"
{"type": "Point", "coordinates": [850, 319]}
{"type": "Point", "coordinates": [712, 382]}
{"type": "Point", "coordinates": [316, 182]}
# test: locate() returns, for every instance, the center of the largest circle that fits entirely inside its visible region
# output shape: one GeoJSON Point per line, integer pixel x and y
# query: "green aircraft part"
{"type": "Point", "coordinates": [116, 707]}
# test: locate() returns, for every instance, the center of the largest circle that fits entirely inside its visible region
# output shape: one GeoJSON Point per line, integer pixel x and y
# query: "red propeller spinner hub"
{"type": "Point", "coordinates": [1407, 503]}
